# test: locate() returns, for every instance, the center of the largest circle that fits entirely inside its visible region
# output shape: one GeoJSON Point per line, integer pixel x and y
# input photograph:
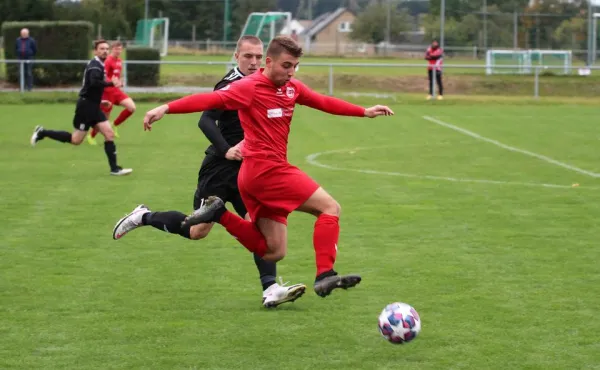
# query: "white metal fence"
{"type": "Point", "coordinates": [455, 70]}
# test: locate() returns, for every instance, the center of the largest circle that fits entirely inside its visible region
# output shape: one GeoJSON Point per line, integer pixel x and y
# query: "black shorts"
{"type": "Point", "coordinates": [87, 115]}
{"type": "Point", "coordinates": [218, 176]}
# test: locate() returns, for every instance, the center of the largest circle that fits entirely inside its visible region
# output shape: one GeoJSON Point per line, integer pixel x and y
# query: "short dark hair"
{"type": "Point", "coordinates": [98, 42]}
{"type": "Point", "coordinates": [282, 44]}
{"type": "Point", "coordinates": [248, 38]}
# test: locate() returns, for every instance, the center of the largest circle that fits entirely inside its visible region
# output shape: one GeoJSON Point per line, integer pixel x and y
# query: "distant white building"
{"type": "Point", "coordinates": [295, 25]}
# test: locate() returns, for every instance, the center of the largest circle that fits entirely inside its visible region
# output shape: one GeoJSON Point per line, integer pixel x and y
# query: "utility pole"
{"type": "Point", "coordinates": [226, 21]}
{"type": "Point", "coordinates": [442, 22]}
{"type": "Point", "coordinates": [388, 26]}
{"type": "Point", "coordinates": [485, 37]}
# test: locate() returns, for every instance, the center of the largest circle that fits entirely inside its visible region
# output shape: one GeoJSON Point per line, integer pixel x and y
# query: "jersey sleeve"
{"type": "Point", "coordinates": [238, 94]}
{"type": "Point", "coordinates": [325, 103]}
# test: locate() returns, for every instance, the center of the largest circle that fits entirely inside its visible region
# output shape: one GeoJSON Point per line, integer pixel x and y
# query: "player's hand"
{"type": "Point", "coordinates": [154, 115]}
{"type": "Point", "coordinates": [116, 82]}
{"type": "Point", "coordinates": [378, 110]}
{"type": "Point", "coordinates": [235, 152]}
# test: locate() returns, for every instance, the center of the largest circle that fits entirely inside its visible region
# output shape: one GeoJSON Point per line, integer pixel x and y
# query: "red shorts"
{"type": "Point", "coordinates": [273, 189]}
{"type": "Point", "coordinates": [113, 95]}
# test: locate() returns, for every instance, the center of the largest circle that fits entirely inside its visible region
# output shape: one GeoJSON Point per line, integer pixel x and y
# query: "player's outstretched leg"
{"type": "Point", "coordinates": [40, 133]}
{"type": "Point", "coordinates": [169, 221]}
{"type": "Point", "coordinates": [325, 239]}
{"type": "Point", "coordinates": [246, 232]}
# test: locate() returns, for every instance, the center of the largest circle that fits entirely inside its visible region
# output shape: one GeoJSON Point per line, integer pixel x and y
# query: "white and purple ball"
{"type": "Point", "coordinates": [399, 323]}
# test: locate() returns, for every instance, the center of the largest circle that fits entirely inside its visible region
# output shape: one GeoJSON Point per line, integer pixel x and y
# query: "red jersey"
{"type": "Point", "coordinates": [265, 110]}
{"type": "Point", "coordinates": [113, 67]}
{"type": "Point", "coordinates": [434, 58]}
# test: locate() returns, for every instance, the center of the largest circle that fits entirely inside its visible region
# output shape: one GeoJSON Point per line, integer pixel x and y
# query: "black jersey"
{"type": "Point", "coordinates": [228, 122]}
{"type": "Point", "coordinates": [94, 81]}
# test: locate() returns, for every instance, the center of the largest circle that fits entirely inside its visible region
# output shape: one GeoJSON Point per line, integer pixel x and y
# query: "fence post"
{"type": "Point", "coordinates": [536, 87]}
{"type": "Point", "coordinates": [124, 79]}
{"type": "Point", "coordinates": [22, 75]}
{"type": "Point", "coordinates": [331, 80]}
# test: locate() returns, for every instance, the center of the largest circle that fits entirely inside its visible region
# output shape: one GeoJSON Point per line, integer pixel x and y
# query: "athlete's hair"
{"type": "Point", "coordinates": [248, 38]}
{"type": "Point", "coordinates": [282, 44]}
{"type": "Point", "coordinates": [116, 43]}
{"type": "Point", "coordinates": [98, 42]}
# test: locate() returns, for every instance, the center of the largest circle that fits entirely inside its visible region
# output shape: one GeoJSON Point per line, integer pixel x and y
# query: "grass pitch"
{"type": "Point", "coordinates": [502, 269]}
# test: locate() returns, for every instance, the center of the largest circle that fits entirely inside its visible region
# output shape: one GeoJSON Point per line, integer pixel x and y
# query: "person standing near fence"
{"type": "Point", "coordinates": [26, 49]}
{"type": "Point", "coordinates": [434, 57]}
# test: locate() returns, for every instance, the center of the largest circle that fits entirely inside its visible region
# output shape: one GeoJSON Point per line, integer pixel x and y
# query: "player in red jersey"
{"type": "Point", "coordinates": [434, 57]}
{"type": "Point", "coordinates": [113, 95]}
{"type": "Point", "coordinates": [272, 188]}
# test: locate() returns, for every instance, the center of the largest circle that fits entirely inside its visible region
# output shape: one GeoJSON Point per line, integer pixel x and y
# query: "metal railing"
{"type": "Point", "coordinates": [537, 71]}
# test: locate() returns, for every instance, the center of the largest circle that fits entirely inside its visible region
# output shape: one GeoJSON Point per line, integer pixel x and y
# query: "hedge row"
{"type": "Point", "coordinates": [55, 40]}
{"type": "Point", "coordinates": [70, 41]}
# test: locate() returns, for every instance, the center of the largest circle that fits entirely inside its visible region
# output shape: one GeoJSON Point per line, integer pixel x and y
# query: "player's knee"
{"type": "Point", "coordinates": [274, 255]}
{"type": "Point", "coordinates": [131, 108]}
{"type": "Point", "coordinates": [109, 135]}
{"type": "Point", "coordinates": [332, 207]}
{"type": "Point", "coordinates": [198, 232]}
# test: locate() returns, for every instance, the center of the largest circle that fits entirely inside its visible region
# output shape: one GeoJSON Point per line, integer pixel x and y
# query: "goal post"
{"type": "Point", "coordinates": [153, 33]}
{"type": "Point", "coordinates": [525, 61]}
{"type": "Point", "coordinates": [267, 25]}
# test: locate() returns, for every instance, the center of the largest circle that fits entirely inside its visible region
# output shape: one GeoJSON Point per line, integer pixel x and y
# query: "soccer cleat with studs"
{"type": "Point", "coordinates": [131, 221]}
{"type": "Point", "coordinates": [209, 211]}
{"type": "Point", "coordinates": [324, 286]}
{"type": "Point", "coordinates": [278, 294]}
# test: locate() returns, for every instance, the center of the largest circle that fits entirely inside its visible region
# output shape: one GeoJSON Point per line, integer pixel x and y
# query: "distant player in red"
{"type": "Point", "coordinates": [435, 57]}
{"type": "Point", "coordinates": [114, 95]}
{"type": "Point", "coordinates": [272, 188]}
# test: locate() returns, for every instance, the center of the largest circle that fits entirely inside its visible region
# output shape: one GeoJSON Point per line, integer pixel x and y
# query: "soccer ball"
{"type": "Point", "coordinates": [399, 323]}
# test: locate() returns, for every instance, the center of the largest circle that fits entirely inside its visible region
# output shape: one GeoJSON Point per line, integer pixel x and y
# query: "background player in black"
{"type": "Point", "coordinates": [88, 113]}
{"type": "Point", "coordinates": [218, 175]}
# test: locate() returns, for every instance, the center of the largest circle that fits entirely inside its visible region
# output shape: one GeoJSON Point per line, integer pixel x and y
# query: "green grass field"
{"type": "Point", "coordinates": [495, 248]}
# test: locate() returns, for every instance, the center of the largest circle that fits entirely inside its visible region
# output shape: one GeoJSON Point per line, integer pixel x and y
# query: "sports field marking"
{"type": "Point", "coordinates": [511, 148]}
{"type": "Point", "coordinates": [313, 160]}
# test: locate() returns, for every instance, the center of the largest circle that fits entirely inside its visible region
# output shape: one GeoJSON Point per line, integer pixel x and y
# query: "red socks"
{"type": "Point", "coordinates": [123, 116]}
{"type": "Point", "coordinates": [245, 232]}
{"type": "Point", "coordinates": [325, 239]}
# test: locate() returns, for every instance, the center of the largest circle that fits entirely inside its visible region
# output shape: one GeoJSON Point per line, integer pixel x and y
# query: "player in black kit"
{"type": "Point", "coordinates": [88, 113]}
{"type": "Point", "coordinates": [218, 176]}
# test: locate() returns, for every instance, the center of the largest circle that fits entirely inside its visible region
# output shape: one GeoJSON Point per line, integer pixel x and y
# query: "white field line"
{"type": "Point", "coordinates": [313, 160]}
{"type": "Point", "coordinates": [511, 148]}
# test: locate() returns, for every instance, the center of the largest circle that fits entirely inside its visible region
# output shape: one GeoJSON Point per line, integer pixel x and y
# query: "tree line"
{"type": "Point", "coordinates": [539, 24]}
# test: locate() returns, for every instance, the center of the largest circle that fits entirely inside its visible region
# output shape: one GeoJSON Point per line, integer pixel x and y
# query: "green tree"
{"type": "Point", "coordinates": [369, 25]}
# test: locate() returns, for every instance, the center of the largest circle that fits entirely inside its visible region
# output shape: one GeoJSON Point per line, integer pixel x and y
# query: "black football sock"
{"type": "Point", "coordinates": [326, 274]}
{"type": "Point", "coordinates": [267, 271]}
{"type": "Point", "coordinates": [111, 152]}
{"type": "Point", "coordinates": [62, 136]}
{"type": "Point", "coordinates": [169, 221]}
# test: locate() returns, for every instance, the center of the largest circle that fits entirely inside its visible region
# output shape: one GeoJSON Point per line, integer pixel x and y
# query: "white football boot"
{"type": "Point", "coordinates": [119, 171]}
{"type": "Point", "coordinates": [277, 294]}
{"type": "Point", "coordinates": [35, 137]}
{"type": "Point", "coordinates": [132, 221]}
